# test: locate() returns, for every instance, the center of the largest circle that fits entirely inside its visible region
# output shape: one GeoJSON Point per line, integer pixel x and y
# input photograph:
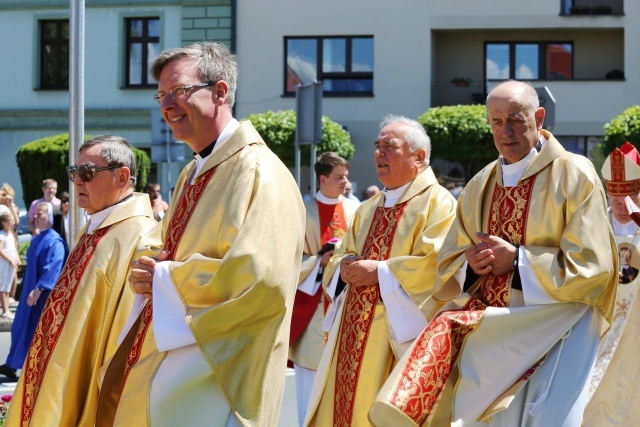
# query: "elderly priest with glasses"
{"type": "Point", "coordinates": [89, 303]}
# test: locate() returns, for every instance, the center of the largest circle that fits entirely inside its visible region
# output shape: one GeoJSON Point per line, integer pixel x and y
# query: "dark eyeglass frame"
{"type": "Point", "coordinates": [86, 172]}
{"type": "Point", "coordinates": [179, 92]}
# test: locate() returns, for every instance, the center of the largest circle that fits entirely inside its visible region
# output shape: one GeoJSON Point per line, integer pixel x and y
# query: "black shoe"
{"type": "Point", "coordinates": [8, 372]}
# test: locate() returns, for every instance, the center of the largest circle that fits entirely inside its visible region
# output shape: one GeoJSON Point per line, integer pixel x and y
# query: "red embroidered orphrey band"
{"type": "Point", "coordinates": [619, 186]}
{"type": "Point", "coordinates": [436, 350]}
{"type": "Point", "coordinates": [185, 206]}
{"type": "Point", "coordinates": [358, 315]}
{"type": "Point", "coordinates": [53, 318]}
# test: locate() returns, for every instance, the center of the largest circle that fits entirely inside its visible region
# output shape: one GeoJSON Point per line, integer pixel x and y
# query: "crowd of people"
{"type": "Point", "coordinates": [414, 307]}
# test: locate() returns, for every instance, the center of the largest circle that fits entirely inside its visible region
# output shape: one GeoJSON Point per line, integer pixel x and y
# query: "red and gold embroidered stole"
{"type": "Point", "coordinates": [436, 350]}
{"type": "Point", "coordinates": [184, 208]}
{"type": "Point", "coordinates": [332, 224]}
{"type": "Point", "coordinates": [53, 319]}
{"type": "Point", "coordinates": [358, 314]}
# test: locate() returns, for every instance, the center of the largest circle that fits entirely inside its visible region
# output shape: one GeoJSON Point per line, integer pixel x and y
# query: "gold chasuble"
{"type": "Point", "coordinates": [235, 242]}
{"type": "Point", "coordinates": [324, 222]}
{"type": "Point", "coordinates": [557, 214]}
{"type": "Point", "coordinates": [361, 350]}
{"type": "Point", "coordinates": [80, 324]}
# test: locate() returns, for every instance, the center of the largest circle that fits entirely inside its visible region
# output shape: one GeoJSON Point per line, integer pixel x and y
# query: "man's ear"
{"type": "Point", "coordinates": [123, 174]}
{"type": "Point", "coordinates": [421, 156]}
{"type": "Point", "coordinates": [220, 91]}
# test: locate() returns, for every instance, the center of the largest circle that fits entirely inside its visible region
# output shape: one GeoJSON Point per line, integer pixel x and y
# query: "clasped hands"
{"type": "Point", "coordinates": [359, 271]}
{"type": "Point", "coordinates": [141, 277]}
{"type": "Point", "coordinates": [492, 255]}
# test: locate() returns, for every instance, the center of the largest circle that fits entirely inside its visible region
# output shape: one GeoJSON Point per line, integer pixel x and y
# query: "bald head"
{"type": "Point", "coordinates": [522, 92]}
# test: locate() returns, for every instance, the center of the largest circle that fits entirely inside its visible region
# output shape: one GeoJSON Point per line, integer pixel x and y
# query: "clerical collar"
{"type": "Point", "coordinates": [392, 196]}
{"type": "Point", "coordinates": [96, 219]}
{"type": "Point", "coordinates": [228, 130]}
{"type": "Point", "coordinates": [512, 173]}
{"type": "Point", "coordinates": [208, 149]}
{"type": "Point", "coordinates": [326, 200]}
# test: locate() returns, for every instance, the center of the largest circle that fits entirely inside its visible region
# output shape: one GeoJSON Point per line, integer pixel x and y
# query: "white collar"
{"type": "Point", "coordinates": [512, 173]}
{"type": "Point", "coordinates": [228, 130]}
{"type": "Point", "coordinates": [392, 196]}
{"type": "Point", "coordinates": [327, 200]}
{"type": "Point", "coordinates": [97, 218]}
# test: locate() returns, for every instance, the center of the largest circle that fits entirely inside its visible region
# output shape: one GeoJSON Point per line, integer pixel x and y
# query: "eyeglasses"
{"type": "Point", "coordinates": [86, 172]}
{"type": "Point", "coordinates": [179, 92]}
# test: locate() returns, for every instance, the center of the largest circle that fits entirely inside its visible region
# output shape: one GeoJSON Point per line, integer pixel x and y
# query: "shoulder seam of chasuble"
{"type": "Point", "coordinates": [54, 315]}
{"type": "Point", "coordinates": [360, 305]}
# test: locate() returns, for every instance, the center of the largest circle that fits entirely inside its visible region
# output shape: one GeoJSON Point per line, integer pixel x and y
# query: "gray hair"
{"type": "Point", "coordinates": [116, 151]}
{"type": "Point", "coordinates": [528, 95]}
{"type": "Point", "coordinates": [214, 60]}
{"type": "Point", "coordinates": [415, 135]}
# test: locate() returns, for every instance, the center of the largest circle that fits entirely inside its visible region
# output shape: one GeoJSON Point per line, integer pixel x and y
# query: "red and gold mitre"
{"type": "Point", "coordinates": [621, 171]}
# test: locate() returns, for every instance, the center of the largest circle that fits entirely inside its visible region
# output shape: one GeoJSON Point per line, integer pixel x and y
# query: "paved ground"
{"type": "Point", "coordinates": [288, 415]}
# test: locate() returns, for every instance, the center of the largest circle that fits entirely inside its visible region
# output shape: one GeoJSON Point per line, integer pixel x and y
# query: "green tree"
{"type": "Point", "coordinates": [460, 133]}
{"type": "Point", "coordinates": [622, 128]}
{"type": "Point", "coordinates": [50, 156]}
{"type": "Point", "coordinates": [278, 129]}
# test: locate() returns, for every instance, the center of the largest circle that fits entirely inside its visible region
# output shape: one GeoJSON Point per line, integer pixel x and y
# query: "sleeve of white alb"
{"type": "Point", "coordinates": [331, 289]}
{"type": "Point", "coordinates": [405, 318]}
{"type": "Point", "coordinates": [309, 285]}
{"type": "Point", "coordinates": [532, 290]}
{"type": "Point", "coordinates": [169, 324]}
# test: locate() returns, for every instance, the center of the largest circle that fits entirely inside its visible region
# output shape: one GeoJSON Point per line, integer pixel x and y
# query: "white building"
{"type": "Point", "coordinates": [404, 55]}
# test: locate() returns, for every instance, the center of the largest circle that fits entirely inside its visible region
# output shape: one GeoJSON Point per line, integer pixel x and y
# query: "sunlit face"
{"type": "Point", "coordinates": [49, 191]}
{"type": "Point", "coordinates": [619, 207]}
{"type": "Point", "coordinates": [515, 129]}
{"type": "Point", "coordinates": [103, 190]}
{"type": "Point", "coordinates": [8, 223]}
{"type": "Point", "coordinates": [333, 185]}
{"type": "Point", "coordinates": [41, 220]}
{"type": "Point", "coordinates": [396, 164]}
{"type": "Point", "coordinates": [190, 117]}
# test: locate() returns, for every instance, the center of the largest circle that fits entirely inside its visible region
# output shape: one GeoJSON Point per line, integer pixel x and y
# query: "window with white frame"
{"type": "Point", "coordinates": [142, 44]}
{"type": "Point", "coordinates": [54, 54]}
{"type": "Point", "coordinates": [529, 60]}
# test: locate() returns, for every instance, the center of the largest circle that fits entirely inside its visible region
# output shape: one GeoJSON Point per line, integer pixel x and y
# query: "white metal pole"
{"type": "Point", "coordinates": [76, 106]}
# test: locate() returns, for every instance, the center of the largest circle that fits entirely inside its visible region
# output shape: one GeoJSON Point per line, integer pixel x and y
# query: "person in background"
{"type": "Point", "coordinates": [372, 190]}
{"type": "Point", "coordinates": [64, 212]}
{"type": "Point", "coordinates": [45, 257]}
{"type": "Point", "coordinates": [216, 322]}
{"type": "Point", "coordinates": [518, 346]}
{"type": "Point", "coordinates": [7, 195]}
{"type": "Point", "coordinates": [89, 304]}
{"type": "Point", "coordinates": [348, 192]}
{"type": "Point", "coordinates": [49, 189]}
{"type": "Point", "coordinates": [9, 261]}
{"type": "Point", "coordinates": [383, 267]}
{"type": "Point", "coordinates": [158, 205]}
{"type": "Point", "coordinates": [329, 215]}
{"type": "Point", "coordinates": [613, 390]}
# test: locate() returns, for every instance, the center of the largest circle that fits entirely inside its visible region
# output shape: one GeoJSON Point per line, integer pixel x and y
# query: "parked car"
{"type": "Point", "coordinates": [24, 235]}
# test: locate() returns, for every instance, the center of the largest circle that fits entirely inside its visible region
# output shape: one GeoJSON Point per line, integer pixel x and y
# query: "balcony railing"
{"type": "Point", "coordinates": [446, 93]}
{"type": "Point", "coordinates": [592, 7]}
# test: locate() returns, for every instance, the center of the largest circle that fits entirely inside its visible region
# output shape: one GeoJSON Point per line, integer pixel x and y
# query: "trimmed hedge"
{"type": "Point", "coordinates": [48, 158]}
{"type": "Point", "coordinates": [278, 129]}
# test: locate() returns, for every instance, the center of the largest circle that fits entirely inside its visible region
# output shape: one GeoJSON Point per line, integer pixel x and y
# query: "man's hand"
{"type": "Point", "coordinates": [492, 255]}
{"type": "Point", "coordinates": [142, 274]}
{"type": "Point", "coordinates": [324, 260]}
{"type": "Point", "coordinates": [344, 266]}
{"type": "Point", "coordinates": [363, 272]}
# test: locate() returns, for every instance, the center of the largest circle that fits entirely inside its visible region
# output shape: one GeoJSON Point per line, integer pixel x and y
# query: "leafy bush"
{"type": "Point", "coordinates": [460, 133]}
{"type": "Point", "coordinates": [278, 129]}
{"type": "Point", "coordinates": [48, 158]}
{"type": "Point", "coordinates": [622, 128]}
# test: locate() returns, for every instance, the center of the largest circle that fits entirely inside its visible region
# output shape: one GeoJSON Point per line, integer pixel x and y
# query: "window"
{"type": "Point", "coordinates": [529, 61]}
{"type": "Point", "coordinates": [343, 64]}
{"type": "Point", "coordinates": [142, 48]}
{"type": "Point", "coordinates": [54, 54]}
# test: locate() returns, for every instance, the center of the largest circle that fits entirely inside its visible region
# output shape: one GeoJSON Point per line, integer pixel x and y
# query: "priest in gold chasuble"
{"type": "Point", "coordinates": [377, 277]}
{"type": "Point", "coordinates": [328, 217]}
{"type": "Point", "coordinates": [90, 303]}
{"type": "Point", "coordinates": [614, 393]}
{"type": "Point", "coordinates": [518, 346]}
{"type": "Point", "coordinates": [209, 346]}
